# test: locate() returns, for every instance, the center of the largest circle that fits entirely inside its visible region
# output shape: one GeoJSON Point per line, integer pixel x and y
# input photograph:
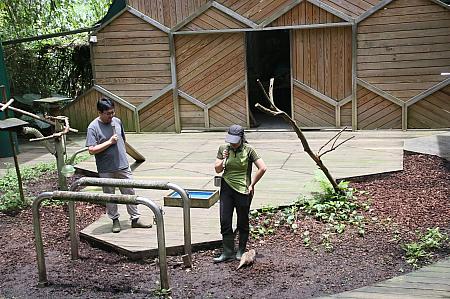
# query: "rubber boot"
{"type": "Point", "coordinates": [243, 238]}
{"type": "Point", "coordinates": [228, 249]}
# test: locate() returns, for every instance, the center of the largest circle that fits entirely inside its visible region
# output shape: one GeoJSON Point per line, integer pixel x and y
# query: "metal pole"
{"type": "Point", "coordinates": [187, 258]}
{"type": "Point", "coordinates": [42, 272]}
{"type": "Point", "coordinates": [13, 148]}
{"type": "Point", "coordinates": [98, 198]}
{"type": "Point", "coordinates": [85, 181]}
{"type": "Point", "coordinates": [161, 240]}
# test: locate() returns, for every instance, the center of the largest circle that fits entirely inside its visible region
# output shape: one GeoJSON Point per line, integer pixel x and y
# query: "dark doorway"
{"type": "Point", "coordinates": [268, 56]}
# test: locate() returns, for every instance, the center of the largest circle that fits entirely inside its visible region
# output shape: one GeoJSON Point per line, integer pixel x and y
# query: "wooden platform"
{"type": "Point", "coordinates": [428, 282]}
{"type": "Point", "coordinates": [187, 160]}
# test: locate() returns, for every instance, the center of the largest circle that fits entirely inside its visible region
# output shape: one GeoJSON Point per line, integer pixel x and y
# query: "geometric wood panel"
{"type": "Point", "coordinates": [232, 110]}
{"type": "Point", "coordinates": [309, 111]}
{"type": "Point", "coordinates": [432, 112]}
{"type": "Point", "coordinates": [255, 10]}
{"type": "Point", "coordinates": [167, 12]}
{"type": "Point", "coordinates": [209, 64]}
{"type": "Point", "coordinates": [83, 110]}
{"type": "Point", "coordinates": [131, 58]}
{"type": "Point", "coordinates": [352, 8]}
{"type": "Point", "coordinates": [191, 115]}
{"type": "Point", "coordinates": [212, 19]}
{"type": "Point", "coordinates": [158, 116]}
{"type": "Point", "coordinates": [403, 48]}
{"type": "Point", "coordinates": [322, 59]}
{"type": "Point", "coordinates": [375, 112]}
{"type": "Point", "coordinates": [305, 13]}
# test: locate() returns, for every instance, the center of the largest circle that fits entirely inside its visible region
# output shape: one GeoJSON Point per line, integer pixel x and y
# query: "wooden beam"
{"type": "Point", "coordinates": [173, 74]}
{"type": "Point", "coordinates": [109, 21]}
{"type": "Point", "coordinates": [441, 4]}
{"type": "Point", "coordinates": [404, 117]}
{"type": "Point", "coordinates": [315, 93]}
{"type": "Point", "coordinates": [192, 99]}
{"type": "Point", "coordinates": [234, 15]}
{"type": "Point", "coordinates": [345, 101]}
{"type": "Point", "coordinates": [186, 21]}
{"type": "Point", "coordinates": [149, 20]}
{"type": "Point", "coordinates": [338, 116]}
{"type": "Point", "coordinates": [114, 97]}
{"type": "Point", "coordinates": [155, 97]}
{"type": "Point", "coordinates": [380, 92]}
{"type": "Point", "coordinates": [137, 125]}
{"type": "Point", "coordinates": [428, 92]}
{"type": "Point", "coordinates": [279, 13]}
{"type": "Point", "coordinates": [372, 10]}
{"type": "Point", "coordinates": [206, 115]}
{"type": "Point", "coordinates": [217, 99]}
{"type": "Point", "coordinates": [354, 98]}
{"type": "Point", "coordinates": [308, 26]}
{"type": "Point", "coordinates": [332, 10]}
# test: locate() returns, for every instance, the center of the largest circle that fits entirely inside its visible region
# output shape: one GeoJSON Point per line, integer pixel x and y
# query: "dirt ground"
{"type": "Point", "coordinates": [402, 204]}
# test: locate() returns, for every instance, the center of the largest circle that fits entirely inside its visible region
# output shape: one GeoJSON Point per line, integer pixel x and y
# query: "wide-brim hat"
{"type": "Point", "coordinates": [235, 134]}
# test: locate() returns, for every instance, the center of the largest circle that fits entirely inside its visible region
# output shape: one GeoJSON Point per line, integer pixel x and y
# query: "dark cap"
{"type": "Point", "coordinates": [235, 134]}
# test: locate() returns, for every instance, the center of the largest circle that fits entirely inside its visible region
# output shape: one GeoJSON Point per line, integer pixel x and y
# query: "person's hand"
{"type": "Point", "coordinates": [225, 154]}
{"type": "Point", "coordinates": [113, 139]}
{"type": "Point", "coordinates": [251, 190]}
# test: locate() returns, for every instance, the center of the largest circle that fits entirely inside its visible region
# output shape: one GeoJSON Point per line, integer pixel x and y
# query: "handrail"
{"type": "Point", "coordinates": [140, 184]}
{"type": "Point", "coordinates": [97, 198]}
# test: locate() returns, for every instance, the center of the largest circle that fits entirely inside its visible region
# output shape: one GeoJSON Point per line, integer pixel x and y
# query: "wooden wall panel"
{"type": "Point", "coordinates": [158, 116]}
{"type": "Point", "coordinates": [191, 115]}
{"type": "Point", "coordinates": [256, 10]}
{"type": "Point", "coordinates": [131, 59]}
{"type": "Point", "coordinates": [213, 19]}
{"type": "Point", "coordinates": [432, 112]}
{"type": "Point", "coordinates": [230, 111]}
{"type": "Point", "coordinates": [403, 49]}
{"type": "Point", "coordinates": [346, 115]}
{"type": "Point", "coordinates": [84, 109]}
{"type": "Point", "coordinates": [167, 12]}
{"type": "Point", "coordinates": [375, 112]}
{"type": "Point", "coordinates": [322, 60]}
{"type": "Point", "coordinates": [305, 13]}
{"type": "Point", "coordinates": [352, 8]}
{"type": "Point", "coordinates": [209, 65]}
{"type": "Point", "coordinates": [310, 111]}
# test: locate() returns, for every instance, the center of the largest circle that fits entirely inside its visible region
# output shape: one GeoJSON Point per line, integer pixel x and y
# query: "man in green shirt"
{"type": "Point", "coordinates": [235, 159]}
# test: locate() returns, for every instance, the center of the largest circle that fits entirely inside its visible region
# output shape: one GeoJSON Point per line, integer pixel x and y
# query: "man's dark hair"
{"type": "Point", "coordinates": [105, 104]}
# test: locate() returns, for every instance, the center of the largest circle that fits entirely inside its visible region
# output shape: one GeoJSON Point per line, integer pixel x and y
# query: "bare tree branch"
{"type": "Point", "coordinates": [275, 111]}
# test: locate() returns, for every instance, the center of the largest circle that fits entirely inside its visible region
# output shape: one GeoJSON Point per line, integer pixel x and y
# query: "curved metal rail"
{"type": "Point", "coordinates": [97, 198]}
{"type": "Point", "coordinates": [140, 184]}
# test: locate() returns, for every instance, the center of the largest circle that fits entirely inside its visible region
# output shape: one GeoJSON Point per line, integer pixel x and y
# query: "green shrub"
{"type": "Point", "coordinates": [10, 198]}
{"type": "Point", "coordinates": [421, 251]}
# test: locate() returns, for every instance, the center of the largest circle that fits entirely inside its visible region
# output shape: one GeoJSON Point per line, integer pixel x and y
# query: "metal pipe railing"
{"type": "Point", "coordinates": [97, 198]}
{"type": "Point", "coordinates": [140, 184]}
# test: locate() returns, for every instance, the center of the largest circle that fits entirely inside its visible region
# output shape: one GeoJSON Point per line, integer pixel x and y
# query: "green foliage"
{"type": "Point", "coordinates": [265, 222]}
{"type": "Point", "coordinates": [68, 70]}
{"type": "Point", "coordinates": [10, 199]}
{"type": "Point", "coordinates": [421, 251]}
{"type": "Point", "coordinates": [24, 18]}
{"type": "Point", "coordinates": [337, 209]}
{"type": "Point", "coordinates": [56, 66]}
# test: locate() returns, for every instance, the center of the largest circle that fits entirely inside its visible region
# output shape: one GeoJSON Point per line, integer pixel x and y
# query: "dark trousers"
{"type": "Point", "coordinates": [230, 200]}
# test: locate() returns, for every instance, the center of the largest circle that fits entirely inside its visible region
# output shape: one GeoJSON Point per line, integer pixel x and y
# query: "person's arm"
{"type": "Point", "coordinates": [95, 149]}
{"type": "Point", "coordinates": [218, 166]}
{"type": "Point", "coordinates": [259, 173]}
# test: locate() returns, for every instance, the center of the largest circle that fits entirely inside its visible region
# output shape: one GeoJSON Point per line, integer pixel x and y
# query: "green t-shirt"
{"type": "Point", "coordinates": [238, 167]}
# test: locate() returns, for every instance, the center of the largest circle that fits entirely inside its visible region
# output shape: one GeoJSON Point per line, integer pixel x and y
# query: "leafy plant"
{"type": "Point", "coordinates": [421, 251]}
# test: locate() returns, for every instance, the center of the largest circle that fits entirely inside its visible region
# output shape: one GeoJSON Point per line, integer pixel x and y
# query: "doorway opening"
{"type": "Point", "coordinates": [268, 56]}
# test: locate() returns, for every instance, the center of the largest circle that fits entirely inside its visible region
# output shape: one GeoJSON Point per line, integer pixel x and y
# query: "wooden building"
{"type": "Point", "coordinates": [172, 65]}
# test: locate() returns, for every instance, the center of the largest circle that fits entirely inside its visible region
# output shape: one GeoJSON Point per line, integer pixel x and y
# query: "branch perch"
{"type": "Point", "coordinates": [275, 111]}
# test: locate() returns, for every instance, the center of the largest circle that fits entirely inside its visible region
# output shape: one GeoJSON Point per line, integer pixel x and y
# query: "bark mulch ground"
{"type": "Point", "coordinates": [402, 204]}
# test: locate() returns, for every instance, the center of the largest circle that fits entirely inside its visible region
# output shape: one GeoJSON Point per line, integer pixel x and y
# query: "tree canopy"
{"type": "Point", "coordinates": [25, 18]}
